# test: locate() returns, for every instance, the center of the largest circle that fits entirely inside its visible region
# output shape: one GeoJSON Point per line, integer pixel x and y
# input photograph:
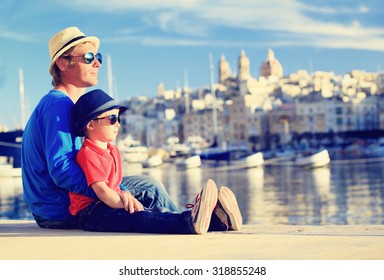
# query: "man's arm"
{"type": "Point", "coordinates": [60, 150]}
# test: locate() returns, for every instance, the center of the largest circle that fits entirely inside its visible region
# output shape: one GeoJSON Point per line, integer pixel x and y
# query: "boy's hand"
{"type": "Point", "coordinates": [131, 204]}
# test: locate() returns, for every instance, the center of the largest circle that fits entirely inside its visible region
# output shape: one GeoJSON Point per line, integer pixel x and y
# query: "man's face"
{"type": "Point", "coordinates": [79, 72]}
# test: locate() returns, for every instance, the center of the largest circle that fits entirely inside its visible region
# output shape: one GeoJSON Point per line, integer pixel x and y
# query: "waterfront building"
{"type": "Point", "coordinates": [201, 123]}
{"type": "Point", "coordinates": [281, 122]}
{"type": "Point", "coordinates": [379, 81]}
{"type": "Point", "coordinates": [265, 112]}
{"type": "Point", "coordinates": [247, 123]}
{"type": "Point", "coordinates": [167, 94]}
{"type": "Point", "coordinates": [310, 118]}
{"type": "Point", "coordinates": [380, 108]}
{"type": "Point", "coordinates": [344, 116]}
{"type": "Point", "coordinates": [133, 124]}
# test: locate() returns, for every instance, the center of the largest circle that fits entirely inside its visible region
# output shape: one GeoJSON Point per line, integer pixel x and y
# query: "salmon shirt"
{"type": "Point", "coordinates": [99, 165]}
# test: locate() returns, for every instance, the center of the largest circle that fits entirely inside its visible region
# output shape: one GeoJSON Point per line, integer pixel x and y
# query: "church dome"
{"type": "Point", "coordinates": [271, 66]}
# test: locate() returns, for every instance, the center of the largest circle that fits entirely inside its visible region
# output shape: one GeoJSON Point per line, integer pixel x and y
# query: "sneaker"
{"type": "Point", "coordinates": [202, 209]}
{"type": "Point", "coordinates": [227, 209]}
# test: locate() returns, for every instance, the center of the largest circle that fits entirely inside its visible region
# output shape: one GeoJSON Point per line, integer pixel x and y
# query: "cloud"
{"type": "Point", "coordinates": [202, 19]}
{"type": "Point", "coordinates": [158, 41]}
{"type": "Point", "coordinates": [172, 22]}
{"type": "Point", "coordinates": [113, 6]}
{"type": "Point", "coordinates": [207, 22]}
{"type": "Point", "coordinates": [15, 36]}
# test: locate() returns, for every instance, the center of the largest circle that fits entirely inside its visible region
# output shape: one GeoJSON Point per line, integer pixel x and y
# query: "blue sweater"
{"type": "Point", "coordinates": [49, 149]}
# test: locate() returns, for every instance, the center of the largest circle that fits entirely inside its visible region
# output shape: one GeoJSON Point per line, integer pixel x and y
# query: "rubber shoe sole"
{"type": "Point", "coordinates": [202, 212]}
{"type": "Point", "coordinates": [228, 202]}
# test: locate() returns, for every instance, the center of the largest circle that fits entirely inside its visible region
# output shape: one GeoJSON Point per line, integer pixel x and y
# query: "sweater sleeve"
{"type": "Point", "coordinates": [61, 149]}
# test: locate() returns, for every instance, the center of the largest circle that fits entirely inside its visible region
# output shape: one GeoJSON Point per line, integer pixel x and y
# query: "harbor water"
{"type": "Point", "coordinates": [345, 193]}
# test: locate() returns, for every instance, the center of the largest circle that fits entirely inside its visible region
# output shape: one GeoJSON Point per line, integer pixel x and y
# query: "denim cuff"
{"type": "Point", "coordinates": [123, 188]}
{"type": "Point", "coordinates": [188, 220]}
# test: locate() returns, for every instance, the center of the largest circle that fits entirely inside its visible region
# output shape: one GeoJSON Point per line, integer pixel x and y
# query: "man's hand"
{"type": "Point", "coordinates": [131, 204]}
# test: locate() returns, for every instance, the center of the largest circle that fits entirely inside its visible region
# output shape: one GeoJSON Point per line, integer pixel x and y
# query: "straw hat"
{"type": "Point", "coordinates": [65, 39]}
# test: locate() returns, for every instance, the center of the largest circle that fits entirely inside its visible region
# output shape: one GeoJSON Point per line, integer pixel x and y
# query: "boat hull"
{"type": "Point", "coordinates": [223, 154]}
{"type": "Point", "coordinates": [190, 162]}
{"type": "Point", "coordinates": [10, 146]}
{"type": "Point", "coordinates": [319, 159]}
{"type": "Point", "coordinates": [251, 161]}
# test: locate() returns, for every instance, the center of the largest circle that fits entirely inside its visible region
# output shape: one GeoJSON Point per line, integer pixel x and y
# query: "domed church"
{"type": "Point", "coordinates": [271, 66]}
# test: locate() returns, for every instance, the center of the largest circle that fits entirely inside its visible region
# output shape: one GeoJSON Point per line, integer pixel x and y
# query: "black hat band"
{"type": "Point", "coordinates": [68, 43]}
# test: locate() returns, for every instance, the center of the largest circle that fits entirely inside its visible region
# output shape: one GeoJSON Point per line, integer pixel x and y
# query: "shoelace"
{"type": "Point", "coordinates": [191, 205]}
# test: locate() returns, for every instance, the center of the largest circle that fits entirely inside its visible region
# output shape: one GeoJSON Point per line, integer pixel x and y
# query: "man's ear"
{"type": "Point", "coordinates": [62, 63]}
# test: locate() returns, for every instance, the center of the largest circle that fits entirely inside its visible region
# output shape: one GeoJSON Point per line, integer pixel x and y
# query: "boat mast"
{"type": "Point", "coordinates": [110, 82]}
{"type": "Point", "coordinates": [110, 76]}
{"type": "Point", "coordinates": [214, 107]}
{"type": "Point", "coordinates": [186, 91]}
{"type": "Point", "coordinates": [22, 104]}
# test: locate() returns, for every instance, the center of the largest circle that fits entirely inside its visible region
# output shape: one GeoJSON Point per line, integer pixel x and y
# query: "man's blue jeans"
{"type": "Point", "coordinates": [150, 192]}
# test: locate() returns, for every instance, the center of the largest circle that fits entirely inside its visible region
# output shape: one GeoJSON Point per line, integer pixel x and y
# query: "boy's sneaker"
{"type": "Point", "coordinates": [227, 209]}
{"type": "Point", "coordinates": [202, 210]}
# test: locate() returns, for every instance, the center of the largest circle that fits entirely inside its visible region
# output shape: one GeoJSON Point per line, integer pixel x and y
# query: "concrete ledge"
{"type": "Point", "coordinates": [20, 240]}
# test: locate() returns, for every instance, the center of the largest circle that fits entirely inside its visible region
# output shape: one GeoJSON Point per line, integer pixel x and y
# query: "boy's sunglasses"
{"type": "Point", "coordinates": [112, 119]}
{"type": "Point", "coordinates": [89, 57]}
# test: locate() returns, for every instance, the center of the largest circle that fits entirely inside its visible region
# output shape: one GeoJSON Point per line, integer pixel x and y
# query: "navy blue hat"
{"type": "Point", "coordinates": [90, 106]}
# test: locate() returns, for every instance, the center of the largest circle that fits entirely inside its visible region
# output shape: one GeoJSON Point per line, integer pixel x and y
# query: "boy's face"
{"type": "Point", "coordinates": [102, 129]}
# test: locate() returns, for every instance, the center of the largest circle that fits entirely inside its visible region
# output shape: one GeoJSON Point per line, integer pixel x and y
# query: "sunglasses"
{"type": "Point", "coordinates": [89, 57]}
{"type": "Point", "coordinates": [113, 119]}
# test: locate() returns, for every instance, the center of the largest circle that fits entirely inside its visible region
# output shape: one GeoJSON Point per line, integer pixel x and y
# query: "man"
{"type": "Point", "coordinates": [49, 146]}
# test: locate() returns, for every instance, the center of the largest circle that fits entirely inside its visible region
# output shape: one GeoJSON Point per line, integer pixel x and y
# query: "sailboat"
{"type": "Point", "coordinates": [10, 141]}
{"type": "Point", "coordinates": [189, 162]}
{"type": "Point", "coordinates": [318, 159]}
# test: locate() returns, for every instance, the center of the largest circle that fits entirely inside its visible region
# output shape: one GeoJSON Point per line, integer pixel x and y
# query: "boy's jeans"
{"type": "Point", "coordinates": [100, 217]}
{"type": "Point", "coordinates": [149, 191]}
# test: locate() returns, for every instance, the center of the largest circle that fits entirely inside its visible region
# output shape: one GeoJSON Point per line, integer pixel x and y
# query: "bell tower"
{"type": "Point", "coordinates": [244, 71]}
{"type": "Point", "coordinates": [224, 70]}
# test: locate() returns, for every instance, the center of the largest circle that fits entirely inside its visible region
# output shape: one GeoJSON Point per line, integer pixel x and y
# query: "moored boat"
{"type": "Point", "coordinates": [250, 161]}
{"type": "Point", "coordinates": [223, 153]}
{"type": "Point", "coordinates": [315, 160]}
{"type": "Point", "coordinates": [189, 162]}
{"type": "Point", "coordinates": [10, 146]}
{"type": "Point", "coordinates": [132, 151]}
{"type": "Point", "coordinates": [153, 161]}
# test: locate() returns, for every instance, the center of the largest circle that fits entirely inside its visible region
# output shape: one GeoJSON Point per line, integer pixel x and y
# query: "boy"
{"type": "Point", "coordinates": [97, 116]}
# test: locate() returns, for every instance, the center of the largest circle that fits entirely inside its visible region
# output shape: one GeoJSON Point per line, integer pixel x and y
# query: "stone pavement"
{"type": "Point", "coordinates": [24, 240]}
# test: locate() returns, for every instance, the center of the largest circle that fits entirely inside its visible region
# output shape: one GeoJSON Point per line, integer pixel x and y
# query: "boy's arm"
{"type": "Point", "coordinates": [114, 199]}
{"type": "Point", "coordinates": [108, 196]}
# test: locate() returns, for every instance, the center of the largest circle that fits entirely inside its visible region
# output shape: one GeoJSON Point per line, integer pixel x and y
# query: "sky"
{"type": "Point", "coordinates": [170, 41]}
